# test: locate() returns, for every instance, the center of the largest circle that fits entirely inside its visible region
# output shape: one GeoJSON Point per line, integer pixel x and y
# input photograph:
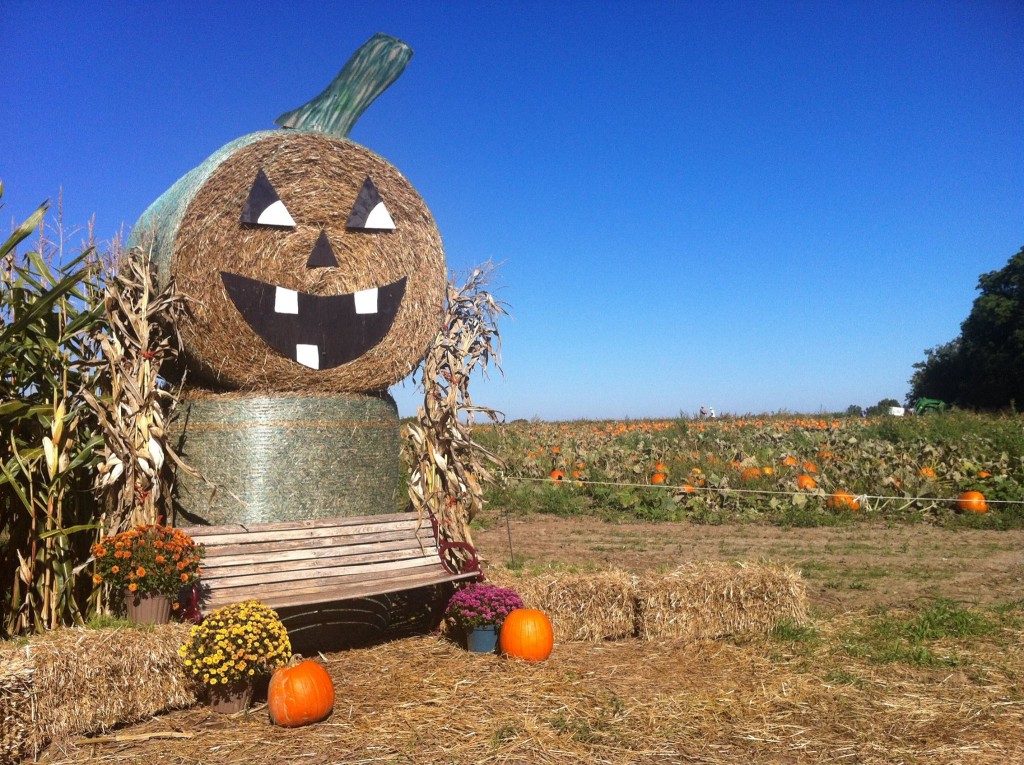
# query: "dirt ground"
{"type": "Point", "coordinates": [846, 568]}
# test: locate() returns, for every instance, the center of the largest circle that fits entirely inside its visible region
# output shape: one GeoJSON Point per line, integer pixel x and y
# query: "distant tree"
{"type": "Point", "coordinates": [882, 407]}
{"type": "Point", "coordinates": [983, 367]}
{"type": "Point", "coordinates": [853, 410]}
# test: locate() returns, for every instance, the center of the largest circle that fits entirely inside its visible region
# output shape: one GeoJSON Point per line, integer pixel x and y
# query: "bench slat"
{"type": "Point", "coordinates": [219, 562]}
{"type": "Point", "coordinates": [318, 572]}
{"type": "Point", "coordinates": [262, 534]}
{"type": "Point", "coordinates": [311, 563]}
{"type": "Point", "coordinates": [355, 520]}
{"type": "Point", "coordinates": [278, 597]}
{"type": "Point", "coordinates": [224, 551]}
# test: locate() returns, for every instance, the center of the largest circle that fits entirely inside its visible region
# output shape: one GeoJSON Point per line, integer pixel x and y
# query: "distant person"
{"type": "Point", "coordinates": [712, 411]}
{"type": "Point", "coordinates": [703, 411]}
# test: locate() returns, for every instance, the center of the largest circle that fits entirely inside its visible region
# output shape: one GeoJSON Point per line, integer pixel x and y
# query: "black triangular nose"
{"type": "Point", "coordinates": [322, 255]}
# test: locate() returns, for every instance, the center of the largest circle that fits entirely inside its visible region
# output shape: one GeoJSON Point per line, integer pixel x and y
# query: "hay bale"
{"type": "Point", "coordinates": [697, 601]}
{"type": "Point", "coordinates": [75, 681]}
{"type": "Point", "coordinates": [582, 607]}
{"type": "Point", "coordinates": [17, 705]}
{"type": "Point", "coordinates": [197, 234]}
{"type": "Point", "coordinates": [708, 600]}
{"type": "Point", "coordinates": [286, 457]}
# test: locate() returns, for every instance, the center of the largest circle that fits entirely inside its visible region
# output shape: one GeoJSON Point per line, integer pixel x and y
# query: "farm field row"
{"type": "Point", "coordinates": [800, 471]}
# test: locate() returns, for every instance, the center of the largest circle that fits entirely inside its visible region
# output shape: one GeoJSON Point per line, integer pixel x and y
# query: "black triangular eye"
{"type": "Point", "coordinates": [264, 207]}
{"type": "Point", "coordinates": [369, 213]}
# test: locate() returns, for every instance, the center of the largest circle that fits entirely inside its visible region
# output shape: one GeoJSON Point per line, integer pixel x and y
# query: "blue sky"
{"type": "Point", "coordinates": [753, 206]}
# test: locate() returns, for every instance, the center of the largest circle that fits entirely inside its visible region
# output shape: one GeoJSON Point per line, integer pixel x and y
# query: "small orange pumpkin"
{"type": "Point", "coordinates": [527, 634]}
{"type": "Point", "coordinates": [658, 478]}
{"type": "Point", "coordinates": [805, 482]}
{"type": "Point", "coordinates": [843, 499]}
{"type": "Point", "coordinates": [750, 473]}
{"type": "Point", "coordinates": [300, 693]}
{"type": "Point", "coordinates": [972, 501]}
{"type": "Point", "coordinates": [557, 475]}
{"type": "Point", "coordinates": [789, 460]}
{"type": "Point", "coordinates": [927, 472]}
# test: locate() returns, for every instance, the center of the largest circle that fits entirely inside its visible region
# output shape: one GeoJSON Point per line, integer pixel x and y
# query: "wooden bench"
{"type": "Point", "coordinates": [304, 563]}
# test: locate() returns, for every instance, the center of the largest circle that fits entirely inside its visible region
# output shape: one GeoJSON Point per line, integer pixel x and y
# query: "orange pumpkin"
{"type": "Point", "coordinates": [805, 482]}
{"type": "Point", "coordinates": [789, 461]}
{"type": "Point", "coordinates": [658, 478]}
{"type": "Point", "coordinates": [750, 473]}
{"type": "Point", "coordinates": [810, 467]}
{"type": "Point", "coordinates": [843, 499]}
{"type": "Point", "coordinates": [526, 634]}
{"type": "Point", "coordinates": [927, 472]}
{"type": "Point", "coordinates": [972, 501]}
{"type": "Point", "coordinates": [557, 475]}
{"type": "Point", "coordinates": [300, 693]}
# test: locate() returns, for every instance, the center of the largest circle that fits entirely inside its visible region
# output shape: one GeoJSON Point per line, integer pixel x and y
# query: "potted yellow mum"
{"type": "Point", "coordinates": [232, 648]}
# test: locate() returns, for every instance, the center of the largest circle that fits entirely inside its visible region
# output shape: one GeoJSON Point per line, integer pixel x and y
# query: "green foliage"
{"type": "Point", "coordinates": [984, 366]}
{"type": "Point", "coordinates": [49, 315]}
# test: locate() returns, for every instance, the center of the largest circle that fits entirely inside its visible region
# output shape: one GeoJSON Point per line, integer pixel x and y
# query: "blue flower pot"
{"type": "Point", "coordinates": [482, 639]}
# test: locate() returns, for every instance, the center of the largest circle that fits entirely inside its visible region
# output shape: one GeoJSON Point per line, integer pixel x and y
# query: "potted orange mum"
{"type": "Point", "coordinates": [148, 566]}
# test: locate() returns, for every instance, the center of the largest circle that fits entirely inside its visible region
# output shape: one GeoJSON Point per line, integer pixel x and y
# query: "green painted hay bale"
{"type": "Point", "coordinates": [286, 457]}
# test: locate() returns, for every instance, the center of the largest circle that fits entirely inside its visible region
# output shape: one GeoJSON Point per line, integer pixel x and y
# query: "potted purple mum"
{"type": "Point", "coordinates": [480, 610]}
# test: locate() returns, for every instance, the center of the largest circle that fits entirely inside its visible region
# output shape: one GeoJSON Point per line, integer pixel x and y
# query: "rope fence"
{"type": "Point", "coordinates": [735, 490]}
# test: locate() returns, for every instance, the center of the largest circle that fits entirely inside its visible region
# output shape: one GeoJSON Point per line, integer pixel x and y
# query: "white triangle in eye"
{"type": "Point", "coordinates": [276, 215]}
{"type": "Point", "coordinates": [379, 218]}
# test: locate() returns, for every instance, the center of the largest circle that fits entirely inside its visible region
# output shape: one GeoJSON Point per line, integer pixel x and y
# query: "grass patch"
{"type": "Point", "coordinates": [789, 631]}
{"type": "Point", "coordinates": [910, 639]}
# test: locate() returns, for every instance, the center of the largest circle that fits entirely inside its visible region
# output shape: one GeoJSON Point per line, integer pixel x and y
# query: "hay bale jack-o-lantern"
{"type": "Point", "coordinates": [527, 634]}
{"type": "Point", "coordinates": [316, 278]}
{"type": "Point", "coordinates": [310, 262]}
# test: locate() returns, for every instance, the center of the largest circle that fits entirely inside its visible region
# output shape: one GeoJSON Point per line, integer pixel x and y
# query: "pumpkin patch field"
{"type": "Point", "coordinates": [782, 470]}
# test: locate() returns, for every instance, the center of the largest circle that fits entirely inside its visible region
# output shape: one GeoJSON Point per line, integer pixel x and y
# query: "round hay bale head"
{"type": "Point", "coordinates": [286, 457]}
{"type": "Point", "coordinates": [310, 263]}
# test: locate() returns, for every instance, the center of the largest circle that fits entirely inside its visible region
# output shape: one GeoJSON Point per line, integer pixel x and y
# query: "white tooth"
{"type": "Point", "coordinates": [366, 301]}
{"type": "Point", "coordinates": [308, 356]}
{"type": "Point", "coordinates": [286, 301]}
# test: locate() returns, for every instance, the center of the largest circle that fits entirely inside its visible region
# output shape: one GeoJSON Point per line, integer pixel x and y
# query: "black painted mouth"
{"type": "Point", "coordinates": [319, 332]}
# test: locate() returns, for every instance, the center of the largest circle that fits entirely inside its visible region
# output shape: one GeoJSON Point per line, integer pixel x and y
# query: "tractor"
{"type": "Point", "coordinates": [924, 405]}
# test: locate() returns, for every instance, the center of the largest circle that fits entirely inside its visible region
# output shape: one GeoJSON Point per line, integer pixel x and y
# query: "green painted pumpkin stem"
{"type": "Point", "coordinates": [366, 75]}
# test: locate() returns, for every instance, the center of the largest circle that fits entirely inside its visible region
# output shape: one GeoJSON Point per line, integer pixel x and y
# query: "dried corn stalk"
{"type": "Point", "coordinates": [446, 467]}
{"type": "Point", "coordinates": [135, 473]}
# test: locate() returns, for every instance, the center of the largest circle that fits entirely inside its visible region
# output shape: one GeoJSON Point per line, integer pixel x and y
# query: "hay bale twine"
{"type": "Point", "coordinates": [286, 457]}
{"type": "Point", "coordinates": [262, 296]}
